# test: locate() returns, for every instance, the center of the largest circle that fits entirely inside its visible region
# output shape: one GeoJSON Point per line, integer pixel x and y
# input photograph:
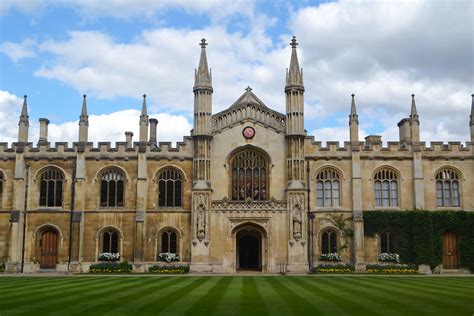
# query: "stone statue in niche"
{"type": "Point", "coordinates": [200, 224]}
{"type": "Point", "coordinates": [297, 224]}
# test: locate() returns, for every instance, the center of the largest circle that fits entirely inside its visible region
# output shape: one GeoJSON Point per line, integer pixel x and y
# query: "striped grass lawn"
{"type": "Point", "coordinates": [237, 295]}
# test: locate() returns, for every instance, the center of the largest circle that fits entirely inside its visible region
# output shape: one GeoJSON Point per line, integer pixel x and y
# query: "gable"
{"type": "Point", "coordinates": [248, 107]}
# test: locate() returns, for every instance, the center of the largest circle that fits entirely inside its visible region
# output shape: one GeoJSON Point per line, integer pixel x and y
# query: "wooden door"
{"type": "Point", "coordinates": [450, 251]}
{"type": "Point", "coordinates": [48, 249]}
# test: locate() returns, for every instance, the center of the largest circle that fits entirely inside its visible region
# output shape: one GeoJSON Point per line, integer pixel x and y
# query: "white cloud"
{"type": "Point", "coordinates": [10, 107]}
{"type": "Point", "coordinates": [127, 9]}
{"type": "Point", "coordinates": [107, 127]}
{"type": "Point", "coordinates": [381, 51]}
{"type": "Point", "coordinates": [18, 51]}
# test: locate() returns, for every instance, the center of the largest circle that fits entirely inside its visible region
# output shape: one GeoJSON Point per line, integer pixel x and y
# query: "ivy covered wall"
{"type": "Point", "coordinates": [419, 234]}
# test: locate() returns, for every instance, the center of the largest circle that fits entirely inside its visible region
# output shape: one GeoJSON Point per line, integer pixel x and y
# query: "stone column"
{"type": "Point", "coordinates": [358, 239]}
{"type": "Point", "coordinates": [140, 215]}
{"type": "Point", "coordinates": [13, 264]}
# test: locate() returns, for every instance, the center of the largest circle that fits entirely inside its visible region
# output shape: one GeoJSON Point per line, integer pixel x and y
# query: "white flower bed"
{"type": "Point", "coordinates": [168, 257]}
{"type": "Point", "coordinates": [334, 256]}
{"type": "Point", "coordinates": [108, 256]}
{"type": "Point", "coordinates": [389, 257]}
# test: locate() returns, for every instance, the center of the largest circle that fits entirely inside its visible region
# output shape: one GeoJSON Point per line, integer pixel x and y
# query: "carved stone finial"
{"type": "Point", "coordinates": [293, 43]}
{"type": "Point", "coordinates": [248, 89]}
{"type": "Point", "coordinates": [203, 43]}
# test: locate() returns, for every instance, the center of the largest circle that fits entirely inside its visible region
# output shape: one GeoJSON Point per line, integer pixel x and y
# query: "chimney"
{"type": "Point", "coordinates": [128, 139]}
{"type": "Point", "coordinates": [153, 124]}
{"type": "Point", "coordinates": [372, 140]}
{"type": "Point", "coordinates": [404, 131]}
{"type": "Point", "coordinates": [43, 134]}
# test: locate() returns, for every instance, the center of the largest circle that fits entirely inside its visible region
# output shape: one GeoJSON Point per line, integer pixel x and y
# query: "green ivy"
{"type": "Point", "coordinates": [419, 234]}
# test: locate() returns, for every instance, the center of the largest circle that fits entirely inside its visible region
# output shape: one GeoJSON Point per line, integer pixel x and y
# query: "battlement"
{"type": "Point", "coordinates": [436, 148]}
{"type": "Point", "coordinates": [182, 149]}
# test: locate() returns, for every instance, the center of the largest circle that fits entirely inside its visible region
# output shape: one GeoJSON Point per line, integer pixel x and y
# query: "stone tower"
{"type": "Point", "coordinates": [296, 190]}
{"type": "Point", "coordinates": [83, 121]}
{"type": "Point", "coordinates": [24, 122]}
{"type": "Point", "coordinates": [201, 189]}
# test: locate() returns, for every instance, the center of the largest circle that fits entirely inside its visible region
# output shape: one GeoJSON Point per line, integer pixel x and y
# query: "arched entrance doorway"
{"type": "Point", "coordinates": [450, 250]}
{"type": "Point", "coordinates": [249, 249]}
{"type": "Point", "coordinates": [48, 249]}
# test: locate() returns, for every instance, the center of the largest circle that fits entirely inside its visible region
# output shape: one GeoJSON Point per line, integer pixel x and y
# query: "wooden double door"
{"type": "Point", "coordinates": [450, 250]}
{"type": "Point", "coordinates": [48, 249]}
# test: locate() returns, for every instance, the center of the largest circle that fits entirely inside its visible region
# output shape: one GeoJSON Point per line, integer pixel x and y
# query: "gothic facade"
{"type": "Point", "coordinates": [247, 190]}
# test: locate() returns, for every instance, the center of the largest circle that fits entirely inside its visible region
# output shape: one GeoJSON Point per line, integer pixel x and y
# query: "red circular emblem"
{"type": "Point", "coordinates": [248, 132]}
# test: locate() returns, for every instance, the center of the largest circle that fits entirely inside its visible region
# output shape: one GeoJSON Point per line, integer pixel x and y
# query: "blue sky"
{"type": "Point", "coordinates": [115, 51]}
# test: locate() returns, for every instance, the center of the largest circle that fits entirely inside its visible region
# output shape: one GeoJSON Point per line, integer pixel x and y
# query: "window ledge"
{"type": "Point", "coordinates": [381, 208]}
{"type": "Point", "coordinates": [448, 208]}
{"type": "Point", "coordinates": [327, 209]}
{"type": "Point", "coordinates": [46, 208]}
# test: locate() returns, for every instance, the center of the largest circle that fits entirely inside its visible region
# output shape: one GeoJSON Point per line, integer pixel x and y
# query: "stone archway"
{"type": "Point", "coordinates": [48, 248]}
{"type": "Point", "coordinates": [249, 249]}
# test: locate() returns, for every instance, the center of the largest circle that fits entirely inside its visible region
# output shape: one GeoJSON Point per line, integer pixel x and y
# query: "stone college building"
{"type": "Point", "coordinates": [247, 190]}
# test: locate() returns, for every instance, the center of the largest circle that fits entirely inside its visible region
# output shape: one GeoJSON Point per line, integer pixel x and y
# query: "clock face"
{"type": "Point", "coordinates": [248, 132]}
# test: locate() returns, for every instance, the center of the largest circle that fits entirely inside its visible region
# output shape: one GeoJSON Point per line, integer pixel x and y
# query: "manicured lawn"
{"type": "Point", "coordinates": [237, 295]}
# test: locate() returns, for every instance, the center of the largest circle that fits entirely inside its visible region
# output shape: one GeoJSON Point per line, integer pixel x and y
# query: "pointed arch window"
{"type": "Point", "coordinates": [328, 188]}
{"type": "Point", "coordinates": [169, 241]}
{"type": "Point", "coordinates": [329, 241]}
{"type": "Point", "coordinates": [447, 188]}
{"type": "Point", "coordinates": [387, 242]}
{"type": "Point", "coordinates": [110, 241]}
{"type": "Point", "coordinates": [51, 188]}
{"type": "Point", "coordinates": [112, 188]}
{"type": "Point", "coordinates": [170, 188]}
{"type": "Point", "coordinates": [249, 176]}
{"type": "Point", "coordinates": [386, 188]}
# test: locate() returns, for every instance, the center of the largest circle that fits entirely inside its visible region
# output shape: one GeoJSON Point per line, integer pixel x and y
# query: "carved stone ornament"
{"type": "Point", "coordinates": [297, 224]}
{"type": "Point", "coordinates": [200, 224]}
{"type": "Point", "coordinates": [270, 205]}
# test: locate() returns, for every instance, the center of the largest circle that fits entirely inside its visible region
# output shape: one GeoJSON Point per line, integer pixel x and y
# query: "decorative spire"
{"type": "Point", "coordinates": [144, 110]}
{"type": "Point", "coordinates": [24, 118]}
{"type": "Point", "coordinates": [84, 118]}
{"type": "Point", "coordinates": [143, 136]}
{"type": "Point", "coordinates": [471, 122]}
{"type": "Point", "coordinates": [414, 114]}
{"type": "Point", "coordinates": [353, 117]}
{"type": "Point", "coordinates": [203, 76]}
{"type": "Point", "coordinates": [294, 75]}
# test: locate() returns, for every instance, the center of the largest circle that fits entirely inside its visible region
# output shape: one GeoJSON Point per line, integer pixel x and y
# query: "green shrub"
{"type": "Point", "coordinates": [334, 268]}
{"type": "Point", "coordinates": [2, 267]}
{"type": "Point", "coordinates": [419, 234]}
{"type": "Point", "coordinates": [111, 267]}
{"type": "Point", "coordinates": [175, 269]}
